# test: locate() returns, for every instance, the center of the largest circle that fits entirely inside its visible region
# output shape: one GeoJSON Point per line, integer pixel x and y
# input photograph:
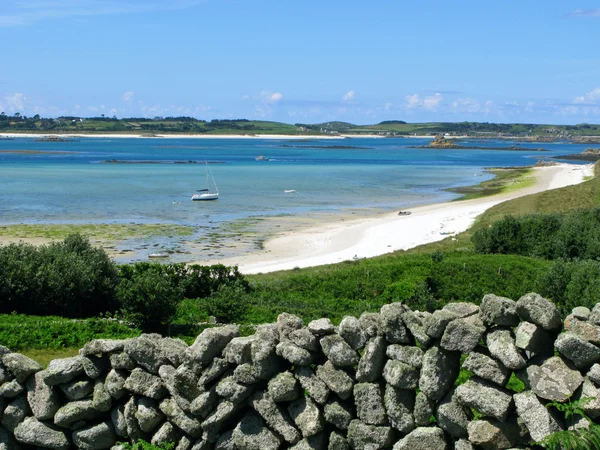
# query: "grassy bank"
{"type": "Point", "coordinates": [580, 196]}
{"type": "Point", "coordinates": [505, 180]}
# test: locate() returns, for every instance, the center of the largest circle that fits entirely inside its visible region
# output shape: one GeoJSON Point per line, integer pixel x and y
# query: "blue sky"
{"type": "Point", "coordinates": [303, 61]}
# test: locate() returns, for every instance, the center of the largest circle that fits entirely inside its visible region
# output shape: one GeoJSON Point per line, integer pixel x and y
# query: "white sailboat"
{"type": "Point", "coordinates": [206, 194]}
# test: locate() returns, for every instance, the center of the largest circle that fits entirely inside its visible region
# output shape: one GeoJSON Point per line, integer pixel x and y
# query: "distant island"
{"type": "Point", "coordinates": [440, 142]}
{"type": "Point", "coordinates": [589, 154]}
{"type": "Point", "coordinates": [330, 147]}
{"type": "Point", "coordinates": [121, 161]}
{"type": "Point", "coordinates": [54, 139]}
{"type": "Point", "coordinates": [66, 127]}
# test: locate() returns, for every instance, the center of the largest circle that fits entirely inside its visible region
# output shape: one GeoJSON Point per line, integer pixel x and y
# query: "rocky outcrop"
{"type": "Point", "coordinates": [384, 380]}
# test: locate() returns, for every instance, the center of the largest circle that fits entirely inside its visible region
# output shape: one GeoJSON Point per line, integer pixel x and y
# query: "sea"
{"type": "Point", "coordinates": [151, 180]}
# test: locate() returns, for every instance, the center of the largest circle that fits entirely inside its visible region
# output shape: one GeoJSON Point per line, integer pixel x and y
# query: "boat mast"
{"type": "Point", "coordinates": [208, 171]}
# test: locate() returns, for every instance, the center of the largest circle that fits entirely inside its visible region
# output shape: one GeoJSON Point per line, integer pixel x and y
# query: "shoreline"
{"type": "Point", "coordinates": [211, 136]}
{"type": "Point", "coordinates": [330, 243]}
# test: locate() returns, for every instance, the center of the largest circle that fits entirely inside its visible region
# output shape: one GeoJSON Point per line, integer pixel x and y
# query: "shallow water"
{"type": "Point", "coordinates": [78, 186]}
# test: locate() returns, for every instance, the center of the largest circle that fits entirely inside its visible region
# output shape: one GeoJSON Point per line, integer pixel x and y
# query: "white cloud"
{"type": "Point", "coordinates": [591, 97]}
{"type": "Point", "coordinates": [19, 13]}
{"type": "Point", "coordinates": [585, 13]}
{"type": "Point", "coordinates": [413, 101]}
{"type": "Point", "coordinates": [15, 102]}
{"type": "Point", "coordinates": [429, 102]}
{"type": "Point", "coordinates": [348, 96]}
{"type": "Point", "coordinates": [128, 96]}
{"type": "Point", "coordinates": [471, 105]}
{"type": "Point", "coordinates": [270, 97]}
{"type": "Point", "coordinates": [432, 102]}
{"type": "Point", "coordinates": [276, 97]}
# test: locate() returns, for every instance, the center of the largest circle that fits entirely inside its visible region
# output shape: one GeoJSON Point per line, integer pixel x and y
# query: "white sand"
{"type": "Point", "coordinates": [365, 238]}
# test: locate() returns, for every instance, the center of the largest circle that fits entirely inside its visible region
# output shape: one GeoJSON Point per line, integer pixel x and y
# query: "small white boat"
{"type": "Point", "coordinates": [206, 194]}
{"type": "Point", "coordinates": [158, 255]}
{"type": "Point", "coordinates": [289, 191]}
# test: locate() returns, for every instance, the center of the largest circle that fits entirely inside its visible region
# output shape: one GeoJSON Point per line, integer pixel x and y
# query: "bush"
{"type": "Point", "coordinates": [229, 303]}
{"type": "Point", "coordinates": [574, 235]}
{"type": "Point", "coordinates": [467, 278]}
{"type": "Point", "coordinates": [70, 278]}
{"type": "Point", "coordinates": [148, 297]}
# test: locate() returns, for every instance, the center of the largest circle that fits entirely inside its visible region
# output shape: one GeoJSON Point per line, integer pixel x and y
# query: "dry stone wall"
{"type": "Point", "coordinates": [385, 380]}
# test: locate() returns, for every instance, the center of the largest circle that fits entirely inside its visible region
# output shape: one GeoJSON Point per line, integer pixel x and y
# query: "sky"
{"type": "Point", "coordinates": [306, 61]}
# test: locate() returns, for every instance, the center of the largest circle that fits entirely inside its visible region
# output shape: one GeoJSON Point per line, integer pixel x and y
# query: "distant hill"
{"type": "Point", "coordinates": [191, 125]}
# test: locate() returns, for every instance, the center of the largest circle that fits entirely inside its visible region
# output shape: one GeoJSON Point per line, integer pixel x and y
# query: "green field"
{"type": "Point", "coordinates": [190, 125]}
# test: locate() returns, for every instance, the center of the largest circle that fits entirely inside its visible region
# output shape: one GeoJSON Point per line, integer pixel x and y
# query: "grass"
{"type": "Point", "coordinates": [580, 196]}
{"type": "Point", "coordinates": [505, 180]}
{"type": "Point", "coordinates": [44, 356]}
{"type": "Point", "coordinates": [111, 232]}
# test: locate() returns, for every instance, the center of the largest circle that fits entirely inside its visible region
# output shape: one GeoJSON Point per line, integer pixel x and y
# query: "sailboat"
{"type": "Point", "coordinates": [206, 194]}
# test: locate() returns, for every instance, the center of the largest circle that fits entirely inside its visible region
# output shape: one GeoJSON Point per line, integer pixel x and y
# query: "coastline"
{"type": "Point", "coordinates": [212, 136]}
{"type": "Point", "coordinates": [334, 242]}
{"type": "Point", "coordinates": [177, 136]}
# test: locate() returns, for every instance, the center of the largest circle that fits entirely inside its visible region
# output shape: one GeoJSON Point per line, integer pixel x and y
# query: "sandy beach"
{"type": "Point", "coordinates": [365, 238]}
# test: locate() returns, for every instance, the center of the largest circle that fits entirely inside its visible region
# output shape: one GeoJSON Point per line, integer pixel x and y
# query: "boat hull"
{"type": "Point", "coordinates": [205, 197]}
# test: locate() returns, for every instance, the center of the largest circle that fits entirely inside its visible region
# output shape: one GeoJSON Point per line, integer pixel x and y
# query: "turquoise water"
{"type": "Point", "coordinates": [78, 186]}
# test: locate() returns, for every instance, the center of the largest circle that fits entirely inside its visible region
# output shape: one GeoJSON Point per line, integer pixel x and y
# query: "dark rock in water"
{"type": "Point", "coordinates": [589, 154]}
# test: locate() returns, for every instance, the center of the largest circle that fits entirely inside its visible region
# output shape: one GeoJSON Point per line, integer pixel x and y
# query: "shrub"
{"type": "Point", "coordinates": [70, 278]}
{"type": "Point", "coordinates": [148, 297]}
{"type": "Point", "coordinates": [229, 303]}
{"type": "Point", "coordinates": [574, 235]}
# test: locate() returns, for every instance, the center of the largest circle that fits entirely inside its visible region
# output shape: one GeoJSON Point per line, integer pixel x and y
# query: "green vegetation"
{"type": "Point", "coordinates": [71, 278]}
{"type": "Point", "coordinates": [354, 287]}
{"type": "Point", "coordinates": [26, 332]}
{"type": "Point", "coordinates": [191, 125]}
{"type": "Point", "coordinates": [573, 235]}
{"type": "Point", "coordinates": [584, 438]}
{"type": "Point", "coordinates": [141, 444]}
{"type": "Point", "coordinates": [75, 279]}
{"type": "Point", "coordinates": [111, 232]}
{"type": "Point", "coordinates": [505, 180]}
